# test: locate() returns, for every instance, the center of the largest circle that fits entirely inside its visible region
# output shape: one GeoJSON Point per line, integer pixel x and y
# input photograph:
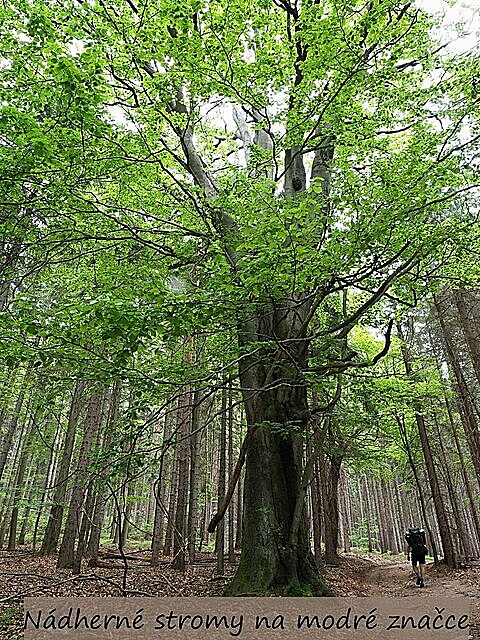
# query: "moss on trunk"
{"type": "Point", "coordinates": [269, 563]}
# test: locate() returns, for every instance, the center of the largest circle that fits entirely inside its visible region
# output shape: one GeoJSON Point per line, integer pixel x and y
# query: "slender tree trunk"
{"type": "Point", "coordinates": [184, 431]}
{"type": "Point", "coordinates": [49, 475]}
{"type": "Point", "coordinates": [128, 501]}
{"type": "Point", "coordinates": [52, 531]}
{"type": "Point", "coordinates": [160, 489]}
{"type": "Point", "coordinates": [420, 494]}
{"type": "Point", "coordinates": [7, 436]}
{"type": "Point", "coordinates": [367, 517]}
{"type": "Point", "coordinates": [463, 540]}
{"type": "Point", "coordinates": [317, 507]}
{"type": "Point", "coordinates": [466, 405]}
{"type": "Point", "coordinates": [346, 511]}
{"type": "Point", "coordinates": [17, 493]}
{"type": "Point", "coordinates": [238, 536]}
{"type": "Point", "coordinates": [93, 546]}
{"type": "Point", "coordinates": [330, 471]}
{"type": "Point", "coordinates": [83, 533]}
{"type": "Point", "coordinates": [381, 520]}
{"type": "Point", "coordinates": [222, 469]}
{"type": "Point", "coordinates": [467, 305]}
{"type": "Point", "coordinates": [231, 513]}
{"type": "Point", "coordinates": [442, 518]}
{"type": "Point", "coordinates": [192, 521]}
{"type": "Point", "coordinates": [463, 468]}
{"type": "Point", "coordinates": [66, 554]}
{"type": "Point", "coordinates": [172, 500]}
{"type": "Point", "coordinates": [29, 497]}
{"type": "Point", "coordinates": [389, 518]}
{"type": "Point", "coordinates": [99, 501]}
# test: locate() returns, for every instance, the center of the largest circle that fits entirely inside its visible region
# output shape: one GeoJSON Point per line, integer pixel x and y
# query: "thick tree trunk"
{"type": "Point", "coordinates": [271, 483]}
{"type": "Point", "coordinates": [276, 554]}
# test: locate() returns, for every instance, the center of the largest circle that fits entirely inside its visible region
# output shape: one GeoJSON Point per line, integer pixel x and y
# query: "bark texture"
{"type": "Point", "coordinates": [275, 540]}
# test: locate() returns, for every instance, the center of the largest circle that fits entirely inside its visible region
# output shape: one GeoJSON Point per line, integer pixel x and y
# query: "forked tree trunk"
{"type": "Point", "coordinates": [275, 532]}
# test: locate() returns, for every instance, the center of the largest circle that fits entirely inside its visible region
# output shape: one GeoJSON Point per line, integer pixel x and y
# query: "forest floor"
{"type": "Point", "coordinates": [23, 574]}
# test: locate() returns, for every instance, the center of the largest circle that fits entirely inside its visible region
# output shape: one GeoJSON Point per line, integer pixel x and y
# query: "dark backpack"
{"type": "Point", "coordinates": [415, 540]}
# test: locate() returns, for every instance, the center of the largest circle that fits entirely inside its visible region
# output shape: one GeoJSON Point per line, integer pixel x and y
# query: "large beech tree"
{"type": "Point", "coordinates": [281, 167]}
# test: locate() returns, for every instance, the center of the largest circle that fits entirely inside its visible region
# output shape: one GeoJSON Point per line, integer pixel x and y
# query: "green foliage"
{"type": "Point", "coordinates": [359, 535]}
{"type": "Point", "coordinates": [122, 243]}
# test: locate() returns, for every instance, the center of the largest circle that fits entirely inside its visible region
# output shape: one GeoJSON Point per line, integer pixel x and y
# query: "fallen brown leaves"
{"type": "Point", "coordinates": [24, 574]}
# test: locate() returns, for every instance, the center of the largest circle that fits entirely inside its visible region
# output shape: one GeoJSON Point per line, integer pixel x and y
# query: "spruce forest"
{"type": "Point", "coordinates": [239, 297]}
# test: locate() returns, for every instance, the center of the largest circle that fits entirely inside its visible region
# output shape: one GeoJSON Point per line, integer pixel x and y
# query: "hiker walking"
{"type": "Point", "coordinates": [417, 550]}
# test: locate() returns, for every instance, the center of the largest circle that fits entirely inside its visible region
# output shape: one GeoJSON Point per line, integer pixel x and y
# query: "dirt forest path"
{"type": "Point", "coordinates": [355, 575]}
{"type": "Point", "coordinates": [385, 578]}
{"type": "Point", "coordinates": [397, 579]}
{"type": "Point", "coordinates": [380, 577]}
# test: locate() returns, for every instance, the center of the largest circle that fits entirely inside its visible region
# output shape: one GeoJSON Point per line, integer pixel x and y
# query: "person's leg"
{"type": "Point", "coordinates": [416, 568]}
{"type": "Point", "coordinates": [421, 565]}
